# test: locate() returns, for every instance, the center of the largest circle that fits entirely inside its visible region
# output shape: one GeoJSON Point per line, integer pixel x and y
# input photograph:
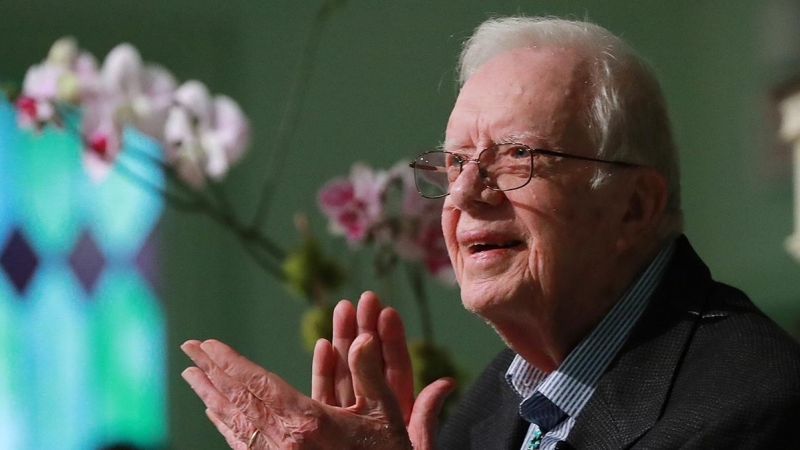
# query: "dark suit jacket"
{"type": "Point", "coordinates": [702, 369]}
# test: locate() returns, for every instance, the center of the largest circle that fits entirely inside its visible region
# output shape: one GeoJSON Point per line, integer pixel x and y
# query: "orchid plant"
{"type": "Point", "coordinates": [382, 208]}
{"type": "Point", "coordinates": [202, 136]}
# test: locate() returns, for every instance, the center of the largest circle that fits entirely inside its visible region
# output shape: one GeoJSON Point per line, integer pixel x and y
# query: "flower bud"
{"type": "Point", "coordinates": [63, 51]}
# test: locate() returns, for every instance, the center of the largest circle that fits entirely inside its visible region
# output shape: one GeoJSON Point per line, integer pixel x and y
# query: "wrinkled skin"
{"type": "Point", "coordinates": [362, 397]}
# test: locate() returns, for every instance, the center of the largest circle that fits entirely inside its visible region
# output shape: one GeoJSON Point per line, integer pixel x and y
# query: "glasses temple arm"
{"type": "Point", "coordinates": [416, 165]}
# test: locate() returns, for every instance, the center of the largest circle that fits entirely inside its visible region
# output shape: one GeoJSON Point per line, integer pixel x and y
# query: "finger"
{"type": "Point", "coordinates": [250, 412]}
{"type": "Point", "coordinates": [239, 425]}
{"type": "Point", "coordinates": [226, 432]}
{"type": "Point", "coordinates": [396, 360]}
{"type": "Point", "coordinates": [344, 331]}
{"type": "Point", "coordinates": [278, 396]}
{"type": "Point", "coordinates": [424, 419]}
{"type": "Point", "coordinates": [369, 307]}
{"type": "Point", "coordinates": [323, 367]}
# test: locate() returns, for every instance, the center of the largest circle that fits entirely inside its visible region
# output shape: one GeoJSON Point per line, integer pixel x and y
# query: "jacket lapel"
{"type": "Point", "coordinates": [503, 430]}
{"type": "Point", "coordinates": [630, 397]}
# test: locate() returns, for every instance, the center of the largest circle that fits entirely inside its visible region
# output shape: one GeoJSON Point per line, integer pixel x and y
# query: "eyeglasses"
{"type": "Point", "coordinates": [502, 167]}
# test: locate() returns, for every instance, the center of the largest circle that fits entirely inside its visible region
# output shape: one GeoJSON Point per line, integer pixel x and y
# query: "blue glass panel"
{"type": "Point", "coordinates": [48, 177]}
{"type": "Point", "coordinates": [128, 367]}
{"type": "Point", "coordinates": [9, 137]}
{"type": "Point", "coordinates": [125, 208]}
{"type": "Point", "coordinates": [57, 350]}
{"type": "Point", "coordinates": [12, 426]}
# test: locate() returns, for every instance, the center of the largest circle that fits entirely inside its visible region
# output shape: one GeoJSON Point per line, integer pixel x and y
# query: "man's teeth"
{"type": "Point", "coordinates": [476, 248]}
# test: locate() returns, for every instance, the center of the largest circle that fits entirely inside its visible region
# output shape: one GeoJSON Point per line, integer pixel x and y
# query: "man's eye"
{"type": "Point", "coordinates": [458, 159]}
{"type": "Point", "coordinates": [519, 152]}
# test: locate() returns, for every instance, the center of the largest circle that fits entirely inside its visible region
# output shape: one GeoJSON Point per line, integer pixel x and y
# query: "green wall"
{"type": "Point", "coordinates": [381, 92]}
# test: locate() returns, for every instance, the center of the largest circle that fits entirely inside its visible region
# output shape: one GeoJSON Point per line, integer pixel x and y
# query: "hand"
{"type": "Point", "coordinates": [332, 382]}
{"type": "Point", "coordinates": [242, 397]}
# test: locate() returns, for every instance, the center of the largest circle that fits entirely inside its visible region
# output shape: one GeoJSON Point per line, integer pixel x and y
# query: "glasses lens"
{"type": "Point", "coordinates": [430, 174]}
{"type": "Point", "coordinates": [506, 166]}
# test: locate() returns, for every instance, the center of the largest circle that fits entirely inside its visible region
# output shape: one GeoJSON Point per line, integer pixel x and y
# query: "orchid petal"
{"type": "Point", "coordinates": [63, 52]}
{"type": "Point", "coordinates": [102, 139]}
{"type": "Point", "coordinates": [217, 163]}
{"type": "Point", "coordinates": [178, 133]}
{"type": "Point", "coordinates": [121, 71]}
{"type": "Point", "coordinates": [231, 127]}
{"type": "Point", "coordinates": [151, 109]}
{"type": "Point", "coordinates": [41, 81]}
{"type": "Point", "coordinates": [194, 96]}
{"type": "Point", "coordinates": [96, 167]}
{"type": "Point", "coordinates": [335, 195]}
{"type": "Point", "coordinates": [183, 147]}
{"type": "Point", "coordinates": [88, 74]}
{"type": "Point", "coordinates": [159, 86]}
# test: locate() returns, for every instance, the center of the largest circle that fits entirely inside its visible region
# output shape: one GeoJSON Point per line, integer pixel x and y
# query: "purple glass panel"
{"type": "Point", "coordinates": [87, 261]}
{"type": "Point", "coordinates": [19, 261]}
{"type": "Point", "coordinates": [147, 261]}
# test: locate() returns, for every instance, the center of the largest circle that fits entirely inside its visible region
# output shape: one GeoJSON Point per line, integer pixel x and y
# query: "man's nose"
{"type": "Point", "coordinates": [469, 190]}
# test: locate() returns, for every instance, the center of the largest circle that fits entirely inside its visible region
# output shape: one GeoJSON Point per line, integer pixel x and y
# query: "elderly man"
{"type": "Point", "coordinates": [562, 219]}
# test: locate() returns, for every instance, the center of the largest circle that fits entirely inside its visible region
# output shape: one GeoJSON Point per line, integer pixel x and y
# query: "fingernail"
{"type": "Point", "coordinates": [188, 375]}
{"type": "Point", "coordinates": [189, 348]}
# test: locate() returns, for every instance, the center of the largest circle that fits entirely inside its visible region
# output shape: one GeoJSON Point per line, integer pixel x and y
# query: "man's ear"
{"type": "Point", "coordinates": [646, 201]}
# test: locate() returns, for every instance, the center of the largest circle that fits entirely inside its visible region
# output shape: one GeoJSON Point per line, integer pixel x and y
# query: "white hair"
{"type": "Point", "coordinates": [627, 119]}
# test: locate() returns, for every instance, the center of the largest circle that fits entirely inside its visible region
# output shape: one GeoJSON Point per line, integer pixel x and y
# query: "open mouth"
{"type": "Point", "coordinates": [483, 247]}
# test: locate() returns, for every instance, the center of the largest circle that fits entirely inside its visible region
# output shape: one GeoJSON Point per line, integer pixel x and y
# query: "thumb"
{"type": "Point", "coordinates": [366, 365]}
{"type": "Point", "coordinates": [423, 424]}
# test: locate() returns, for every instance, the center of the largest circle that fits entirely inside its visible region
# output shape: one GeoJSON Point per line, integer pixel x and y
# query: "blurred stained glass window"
{"type": "Point", "coordinates": [82, 329]}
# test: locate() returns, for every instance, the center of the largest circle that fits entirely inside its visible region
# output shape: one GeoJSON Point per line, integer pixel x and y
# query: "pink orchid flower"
{"type": "Point", "coordinates": [420, 235]}
{"type": "Point", "coordinates": [354, 206]}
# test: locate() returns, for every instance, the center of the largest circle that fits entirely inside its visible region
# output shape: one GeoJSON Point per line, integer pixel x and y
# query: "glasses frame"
{"type": "Point", "coordinates": [531, 151]}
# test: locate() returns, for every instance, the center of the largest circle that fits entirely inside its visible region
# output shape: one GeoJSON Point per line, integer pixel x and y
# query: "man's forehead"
{"type": "Point", "coordinates": [525, 95]}
{"type": "Point", "coordinates": [517, 137]}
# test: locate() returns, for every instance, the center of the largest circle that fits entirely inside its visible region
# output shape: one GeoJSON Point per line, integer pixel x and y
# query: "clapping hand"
{"type": "Point", "coordinates": [362, 390]}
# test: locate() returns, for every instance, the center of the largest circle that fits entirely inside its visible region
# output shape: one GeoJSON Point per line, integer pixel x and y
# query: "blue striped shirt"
{"type": "Point", "coordinates": [553, 401]}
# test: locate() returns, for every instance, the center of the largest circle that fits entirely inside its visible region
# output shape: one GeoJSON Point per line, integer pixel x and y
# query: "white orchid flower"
{"type": "Point", "coordinates": [194, 96]}
{"type": "Point", "coordinates": [204, 136]}
{"type": "Point", "coordinates": [122, 71]}
{"type": "Point", "coordinates": [67, 75]}
{"type": "Point", "coordinates": [227, 140]}
{"type": "Point", "coordinates": [150, 109]}
{"type": "Point", "coordinates": [141, 93]}
{"type": "Point", "coordinates": [182, 146]}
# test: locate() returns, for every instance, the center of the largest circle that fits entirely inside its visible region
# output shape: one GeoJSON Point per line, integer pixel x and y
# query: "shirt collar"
{"type": "Point", "coordinates": [570, 386]}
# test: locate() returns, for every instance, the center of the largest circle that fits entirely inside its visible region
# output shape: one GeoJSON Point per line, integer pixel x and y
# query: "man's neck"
{"type": "Point", "coordinates": [547, 342]}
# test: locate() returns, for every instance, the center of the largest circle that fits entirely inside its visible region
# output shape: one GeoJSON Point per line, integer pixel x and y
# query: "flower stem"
{"type": "Point", "coordinates": [291, 113]}
{"type": "Point", "coordinates": [418, 287]}
{"type": "Point", "coordinates": [175, 201]}
{"type": "Point", "coordinates": [220, 210]}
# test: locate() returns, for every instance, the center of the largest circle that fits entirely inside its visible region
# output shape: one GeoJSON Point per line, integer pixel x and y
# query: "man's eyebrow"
{"type": "Point", "coordinates": [519, 137]}
{"type": "Point", "coordinates": [450, 145]}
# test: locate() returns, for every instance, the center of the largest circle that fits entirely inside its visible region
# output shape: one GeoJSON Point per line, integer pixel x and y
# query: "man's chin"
{"type": "Point", "coordinates": [481, 302]}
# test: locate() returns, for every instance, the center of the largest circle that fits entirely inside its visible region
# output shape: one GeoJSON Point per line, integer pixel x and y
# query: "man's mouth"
{"type": "Point", "coordinates": [479, 247]}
